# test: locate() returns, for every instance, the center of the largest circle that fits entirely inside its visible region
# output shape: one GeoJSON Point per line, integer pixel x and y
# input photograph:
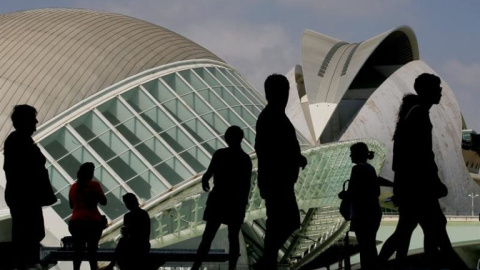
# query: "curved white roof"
{"type": "Point", "coordinates": [330, 66]}
{"type": "Point", "coordinates": [54, 58]}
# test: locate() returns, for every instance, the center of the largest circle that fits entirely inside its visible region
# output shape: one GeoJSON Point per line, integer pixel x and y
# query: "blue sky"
{"type": "Point", "coordinates": [260, 37]}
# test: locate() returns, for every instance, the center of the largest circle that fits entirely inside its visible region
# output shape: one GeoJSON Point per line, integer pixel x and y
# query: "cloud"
{"type": "Point", "coordinates": [350, 9]}
{"type": "Point", "coordinates": [464, 79]}
{"type": "Point", "coordinates": [254, 50]}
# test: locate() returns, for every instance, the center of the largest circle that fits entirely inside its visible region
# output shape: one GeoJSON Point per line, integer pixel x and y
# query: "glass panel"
{"type": "Point", "coordinates": [196, 159]}
{"type": "Point", "coordinates": [61, 187]}
{"type": "Point", "coordinates": [146, 185]}
{"type": "Point", "coordinates": [231, 118]}
{"type": "Point", "coordinates": [212, 145]}
{"type": "Point", "coordinates": [196, 103]}
{"type": "Point", "coordinates": [219, 76]}
{"type": "Point", "coordinates": [115, 206]}
{"type": "Point", "coordinates": [153, 151]}
{"type": "Point", "coordinates": [134, 131]}
{"type": "Point", "coordinates": [105, 178]}
{"type": "Point", "coordinates": [177, 139]}
{"type": "Point", "coordinates": [115, 112]}
{"type": "Point", "coordinates": [229, 76]}
{"type": "Point", "coordinates": [212, 99]}
{"type": "Point", "coordinates": [72, 162]}
{"type": "Point", "coordinates": [158, 90]}
{"type": "Point", "coordinates": [198, 130]}
{"type": "Point", "coordinates": [225, 95]}
{"type": "Point", "coordinates": [176, 84]}
{"type": "Point", "coordinates": [192, 79]}
{"type": "Point", "coordinates": [239, 95]}
{"type": "Point", "coordinates": [178, 110]}
{"type": "Point", "coordinates": [108, 145]}
{"type": "Point", "coordinates": [252, 91]}
{"type": "Point", "coordinates": [89, 126]}
{"type": "Point", "coordinates": [249, 135]}
{"type": "Point", "coordinates": [245, 115]}
{"type": "Point", "coordinates": [253, 109]}
{"type": "Point", "coordinates": [206, 76]}
{"type": "Point", "coordinates": [215, 122]}
{"type": "Point", "coordinates": [138, 100]}
{"type": "Point", "coordinates": [60, 143]}
{"type": "Point", "coordinates": [173, 171]}
{"type": "Point", "coordinates": [127, 165]}
{"type": "Point", "coordinates": [157, 119]}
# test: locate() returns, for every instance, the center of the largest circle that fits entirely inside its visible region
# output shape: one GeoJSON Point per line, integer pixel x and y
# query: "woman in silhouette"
{"type": "Point", "coordinates": [363, 190]}
{"type": "Point", "coordinates": [86, 224]}
{"type": "Point", "coordinates": [231, 168]}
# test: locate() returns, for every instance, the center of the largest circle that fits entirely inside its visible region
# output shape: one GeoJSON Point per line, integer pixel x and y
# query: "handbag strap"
{"type": "Point", "coordinates": [346, 181]}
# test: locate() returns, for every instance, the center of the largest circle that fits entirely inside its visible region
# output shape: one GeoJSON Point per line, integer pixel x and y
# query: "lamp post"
{"type": "Point", "coordinates": [472, 195]}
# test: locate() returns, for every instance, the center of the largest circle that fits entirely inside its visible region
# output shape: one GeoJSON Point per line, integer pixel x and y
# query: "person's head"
{"type": "Point", "coordinates": [359, 153]}
{"type": "Point", "coordinates": [24, 118]}
{"type": "Point", "coordinates": [276, 90]}
{"type": "Point", "coordinates": [234, 136]}
{"type": "Point", "coordinates": [428, 88]}
{"type": "Point", "coordinates": [130, 201]}
{"type": "Point", "coordinates": [85, 172]}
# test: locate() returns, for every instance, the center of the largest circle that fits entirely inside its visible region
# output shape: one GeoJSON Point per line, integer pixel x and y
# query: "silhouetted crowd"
{"type": "Point", "coordinates": [417, 189]}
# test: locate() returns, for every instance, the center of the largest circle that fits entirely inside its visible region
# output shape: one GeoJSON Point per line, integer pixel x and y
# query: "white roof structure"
{"type": "Point", "coordinates": [54, 58]}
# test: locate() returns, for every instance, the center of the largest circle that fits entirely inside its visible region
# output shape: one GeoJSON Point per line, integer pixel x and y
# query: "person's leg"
{"type": "Point", "coordinates": [407, 222]}
{"type": "Point", "coordinates": [366, 231]}
{"type": "Point", "coordinates": [211, 229]}
{"type": "Point", "coordinates": [78, 243]}
{"type": "Point", "coordinates": [95, 232]}
{"type": "Point", "coordinates": [234, 245]}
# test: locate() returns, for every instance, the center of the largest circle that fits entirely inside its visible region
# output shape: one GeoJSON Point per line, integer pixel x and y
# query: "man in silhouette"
{"type": "Point", "coordinates": [231, 169]}
{"type": "Point", "coordinates": [28, 187]}
{"type": "Point", "coordinates": [279, 160]}
{"type": "Point", "coordinates": [417, 186]}
{"type": "Point", "coordinates": [133, 248]}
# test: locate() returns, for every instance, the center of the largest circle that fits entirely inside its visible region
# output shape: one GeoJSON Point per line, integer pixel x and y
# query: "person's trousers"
{"type": "Point", "coordinates": [211, 229]}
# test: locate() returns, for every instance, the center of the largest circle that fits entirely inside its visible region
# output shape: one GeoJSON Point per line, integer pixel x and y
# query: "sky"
{"type": "Point", "coordinates": [260, 37]}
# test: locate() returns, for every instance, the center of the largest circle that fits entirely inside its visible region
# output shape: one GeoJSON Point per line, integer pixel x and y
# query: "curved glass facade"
{"type": "Point", "coordinates": [153, 136]}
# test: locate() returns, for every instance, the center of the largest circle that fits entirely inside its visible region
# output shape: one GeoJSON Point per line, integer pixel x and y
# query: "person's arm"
{"type": "Point", "coordinates": [102, 199]}
{"type": "Point", "coordinates": [209, 173]}
{"type": "Point", "coordinates": [70, 196]}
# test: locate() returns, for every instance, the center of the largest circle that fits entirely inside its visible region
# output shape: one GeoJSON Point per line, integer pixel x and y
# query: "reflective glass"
{"type": "Point", "coordinates": [176, 84]}
{"type": "Point", "coordinates": [206, 77]}
{"type": "Point", "coordinates": [192, 79]}
{"type": "Point", "coordinates": [134, 131]}
{"type": "Point", "coordinates": [219, 76]}
{"type": "Point", "coordinates": [153, 151]}
{"type": "Point", "coordinates": [215, 122]}
{"type": "Point", "coordinates": [89, 126]}
{"type": "Point", "coordinates": [138, 100]}
{"type": "Point", "coordinates": [212, 99]}
{"type": "Point", "coordinates": [225, 95]}
{"type": "Point", "coordinates": [196, 103]}
{"type": "Point", "coordinates": [115, 112]}
{"type": "Point", "coordinates": [71, 163]}
{"type": "Point", "coordinates": [177, 139]}
{"type": "Point", "coordinates": [146, 185]}
{"type": "Point", "coordinates": [60, 143]}
{"type": "Point", "coordinates": [213, 145]}
{"type": "Point", "coordinates": [127, 165]}
{"type": "Point", "coordinates": [245, 115]}
{"type": "Point", "coordinates": [108, 145]}
{"type": "Point", "coordinates": [178, 110]}
{"type": "Point", "coordinates": [231, 118]}
{"type": "Point", "coordinates": [158, 90]}
{"type": "Point", "coordinates": [115, 207]}
{"type": "Point", "coordinates": [61, 187]}
{"type": "Point", "coordinates": [105, 178]}
{"type": "Point", "coordinates": [239, 95]}
{"type": "Point", "coordinates": [196, 158]}
{"type": "Point", "coordinates": [157, 119]}
{"type": "Point", "coordinates": [198, 130]}
{"type": "Point", "coordinates": [173, 171]}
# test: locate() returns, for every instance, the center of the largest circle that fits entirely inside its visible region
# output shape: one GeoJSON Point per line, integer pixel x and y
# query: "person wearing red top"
{"type": "Point", "coordinates": [86, 224]}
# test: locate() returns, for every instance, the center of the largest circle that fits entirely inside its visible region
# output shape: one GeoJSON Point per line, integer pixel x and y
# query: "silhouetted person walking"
{"type": "Point", "coordinates": [363, 190]}
{"type": "Point", "coordinates": [231, 169]}
{"type": "Point", "coordinates": [279, 160]}
{"type": "Point", "coordinates": [86, 224]}
{"type": "Point", "coordinates": [417, 186]}
{"type": "Point", "coordinates": [133, 248]}
{"type": "Point", "coordinates": [28, 187]}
